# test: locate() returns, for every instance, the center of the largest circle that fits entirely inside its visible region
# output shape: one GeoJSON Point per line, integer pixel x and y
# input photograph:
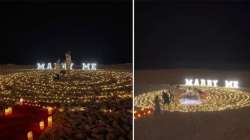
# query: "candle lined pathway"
{"type": "Point", "coordinates": [21, 121]}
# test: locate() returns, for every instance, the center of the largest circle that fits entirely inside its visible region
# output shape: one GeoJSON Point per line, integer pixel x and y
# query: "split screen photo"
{"type": "Point", "coordinates": [124, 70]}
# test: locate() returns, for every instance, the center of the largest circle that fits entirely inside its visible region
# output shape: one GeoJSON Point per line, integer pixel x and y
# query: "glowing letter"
{"type": "Point", "coordinates": [209, 83]}
{"type": "Point", "coordinates": [85, 66]}
{"type": "Point", "coordinates": [231, 84]}
{"type": "Point", "coordinates": [203, 82]}
{"type": "Point", "coordinates": [49, 67]}
{"type": "Point", "coordinates": [189, 82]}
{"type": "Point", "coordinates": [228, 84]}
{"type": "Point", "coordinates": [93, 66]}
{"type": "Point", "coordinates": [196, 82]}
{"type": "Point", "coordinates": [71, 66]}
{"type": "Point", "coordinates": [40, 66]}
{"type": "Point", "coordinates": [8, 111]}
{"type": "Point", "coordinates": [215, 83]}
{"type": "Point", "coordinates": [236, 84]}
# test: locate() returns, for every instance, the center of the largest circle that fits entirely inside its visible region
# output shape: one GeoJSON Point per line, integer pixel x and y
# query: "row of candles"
{"type": "Point", "coordinates": [143, 113]}
{"type": "Point", "coordinates": [9, 111]}
{"type": "Point", "coordinates": [42, 127]}
{"type": "Point", "coordinates": [42, 124]}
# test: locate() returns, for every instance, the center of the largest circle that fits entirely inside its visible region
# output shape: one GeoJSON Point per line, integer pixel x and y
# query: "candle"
{"type": "Point", "coordinates": [21, 101]}
{"type": "Point", "coordinates": [30, 135]}
{"type": "Point", "coordinates": [50, 121]}
{"type": "Point", "coordinates": [41, 124]}
{"type": "Point", "coordinates": [8, 111]}
{"type": "Point", "coordinates": [50, 109]}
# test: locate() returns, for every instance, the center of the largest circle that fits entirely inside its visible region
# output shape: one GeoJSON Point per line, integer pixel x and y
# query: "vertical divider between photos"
{"type": "Point", "coordinates": [133, 63]}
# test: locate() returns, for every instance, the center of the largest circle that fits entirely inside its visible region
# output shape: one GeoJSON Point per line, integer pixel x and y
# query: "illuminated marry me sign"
{"type": "Point", "coordinates": [65, 66]}
{"type": "Point", "coordinates": [210, 83]}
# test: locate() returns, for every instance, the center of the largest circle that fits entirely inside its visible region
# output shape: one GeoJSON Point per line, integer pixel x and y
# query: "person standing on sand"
{"type": "Point", "coordinates": [164, 97]}
{"type": "Point", "coordinates": [157, 106]}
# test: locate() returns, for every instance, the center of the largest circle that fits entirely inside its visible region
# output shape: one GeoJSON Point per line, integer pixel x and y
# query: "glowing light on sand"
{"type": "Point", "coordinates": [30, 135]}
{"type": "Point", "coordinates": [41, 125]}
{"type": "Point", "coordinates": [21, 101]}
{"type": "Point", "coordinates": [189, 102]}
{"type": "Point", "coordinates": [50, 121]}
{"type": "Point", "coordinates": [8, 111]}
{"type": "Point", "coordinates": [50, 109]}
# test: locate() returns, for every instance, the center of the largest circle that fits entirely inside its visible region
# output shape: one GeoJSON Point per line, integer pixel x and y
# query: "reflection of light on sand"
{"type": "Point", "coordinates": [185, 101]}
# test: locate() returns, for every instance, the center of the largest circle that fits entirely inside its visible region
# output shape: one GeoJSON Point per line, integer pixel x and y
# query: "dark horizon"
{"type": "Point", "coordinates": [178, 34]}
{"type": "Point", "coordinates": [42, 31]}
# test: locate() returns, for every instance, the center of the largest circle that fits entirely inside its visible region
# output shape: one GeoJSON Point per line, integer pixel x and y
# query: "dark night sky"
{"type": "Point", "coordinates": [192, 34]}
{"type": "Point", "coordinates": [41, 31]}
